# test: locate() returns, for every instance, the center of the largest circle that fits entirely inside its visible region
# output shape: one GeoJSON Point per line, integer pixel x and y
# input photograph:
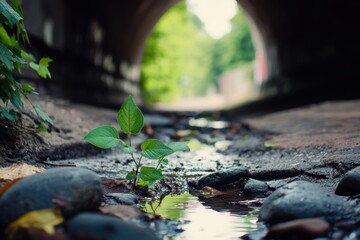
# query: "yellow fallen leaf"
{"type": "Point", "coordinates": [19, 170]}
{"type": "Point", "coordinates": [45, 219]}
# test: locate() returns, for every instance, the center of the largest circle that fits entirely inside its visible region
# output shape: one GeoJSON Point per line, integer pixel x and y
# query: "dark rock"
{"type": "Point", "coordinates": [255, 186]}
{"type": "Point", "coordinates": [349, 184]}
{"type": "Point", "coordinates": [302, 199]}
{"type": "Point", "coordinates": [94, 226]}
{"type": "Point", "coordinates": [72, 189]}
{"type": "Point", "coordinates": [302, 229]}
{"type": "Point", "coordinates": [221, 178]}
{"type": "Point", "coordinates": [121, 198]}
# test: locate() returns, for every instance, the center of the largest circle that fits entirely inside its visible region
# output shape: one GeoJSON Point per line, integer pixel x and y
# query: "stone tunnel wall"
{"type": "Point", "coordinates": [312, 48]}
{"type": "Point", "coordinates": [96, 46]}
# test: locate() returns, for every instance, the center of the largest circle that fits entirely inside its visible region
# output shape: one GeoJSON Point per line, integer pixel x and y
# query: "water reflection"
{"type": "Point", "coordinates": [215, 218]}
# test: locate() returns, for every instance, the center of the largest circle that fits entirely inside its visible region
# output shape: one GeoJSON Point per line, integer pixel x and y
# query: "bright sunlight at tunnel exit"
{"type": "Point", "coordinates": [201, 56]}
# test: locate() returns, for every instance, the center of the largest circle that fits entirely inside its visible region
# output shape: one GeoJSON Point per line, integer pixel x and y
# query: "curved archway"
{"type": "Point", "coordinates": [309, 47]}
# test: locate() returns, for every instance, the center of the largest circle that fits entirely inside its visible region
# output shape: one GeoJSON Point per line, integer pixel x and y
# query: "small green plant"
{"type": "Point", "coordinates": [12, 59]}
{"type": "Point", "coordinates": [131, 121]}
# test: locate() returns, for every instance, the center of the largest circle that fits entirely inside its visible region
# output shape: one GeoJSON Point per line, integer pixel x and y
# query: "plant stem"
{"type": "Point", "coordinates": [159, 162]}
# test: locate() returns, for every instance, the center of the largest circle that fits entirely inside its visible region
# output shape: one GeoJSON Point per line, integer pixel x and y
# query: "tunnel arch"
{"type": "Point", "coordinates": [308, 46]}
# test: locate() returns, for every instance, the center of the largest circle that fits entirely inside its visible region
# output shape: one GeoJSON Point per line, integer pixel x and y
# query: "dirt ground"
{"type": "Point", "coordinates": [311, 142]}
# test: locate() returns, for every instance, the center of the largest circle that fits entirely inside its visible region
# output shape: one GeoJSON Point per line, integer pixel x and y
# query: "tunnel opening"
{"type": "Point", "coordinates": [203, 55]}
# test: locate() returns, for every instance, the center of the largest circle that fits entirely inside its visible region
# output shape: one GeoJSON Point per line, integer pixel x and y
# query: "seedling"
{"type": "Point", "coordinates": [131, 121]}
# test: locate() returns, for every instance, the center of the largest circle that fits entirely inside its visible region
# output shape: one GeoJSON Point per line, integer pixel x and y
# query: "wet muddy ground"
{"type": "Point", "coordinates": [317, 143]}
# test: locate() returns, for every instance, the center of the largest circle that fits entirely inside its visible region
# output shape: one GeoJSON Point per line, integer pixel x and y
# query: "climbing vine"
{"type": "Point", "coordinates": [12, 59]}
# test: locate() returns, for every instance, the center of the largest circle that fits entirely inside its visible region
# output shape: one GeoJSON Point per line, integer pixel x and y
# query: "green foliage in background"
{"type": "Point", "coordinates": [131, 121]}
{"type": "Point", "coordinates": [232, 50]}
{"type": "Point", "coordinates": [181, 59]}
{"type": "Point", "coordinates": [175, 60]}
{"type": "Point", "coordinates": [12, 59]}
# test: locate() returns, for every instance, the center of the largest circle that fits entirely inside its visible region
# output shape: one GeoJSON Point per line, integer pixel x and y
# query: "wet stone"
{"type": "Point", "coordinates": [121, 198]}
{"type": "Point", "coordinates": [349, 184]}
{"type": "Point", "coordinates": [302, 229]}
{"type": "Point", "coordinates": [221, 178]}
{"type": "Point", "coordinates": [253, 186]}
{"type": "Point", "coordinates": [70, 188]}
{"type": "Point", "coordinates": [105, 227]}
{"type": "Point", "coordinates": [301, 199]}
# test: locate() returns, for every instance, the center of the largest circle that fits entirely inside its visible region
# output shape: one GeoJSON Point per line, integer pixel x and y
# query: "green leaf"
{"type": "Point", "coordinates": [41, 128]}
{"type": "Point", "coordinates": [131, 175]}
{"type": "Point", "coordinates": [178, 146]}
{"type": "Point", "coordinates": [150, 174]}
{"type": "Point", "coordinates": [26, 88]}
{"type": "Point", "coordinates": [165, 162]}
{"type": "Point", "coordinates": [42, 115]}
{"type": "Point", "coordinates": [27, 56]}
{"type": "Point", "coordinates": [8, 58]}
{"type": "Point", "coordinates": [10, 115]}
{"type": "Point", "coordinates": [15, 99]}
{"type": "Point", "coordinates": [42, 67]}
{"type": "Point", "coordinates": [155, 149]}
{"type": "Point", "coordinates": [103, 137]}
{"type": "Point", "coordinates": [130, 117]}
{"type": "Point", "coordinates": [9, 13]}
{"type": "Point", "coordinates": [126, 148]}
{"type": "Point", "coordinates": [5, 89]}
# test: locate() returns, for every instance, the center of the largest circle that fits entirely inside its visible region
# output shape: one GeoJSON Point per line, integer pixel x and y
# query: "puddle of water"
{"type": "Point", "coordinates": [216, 218]}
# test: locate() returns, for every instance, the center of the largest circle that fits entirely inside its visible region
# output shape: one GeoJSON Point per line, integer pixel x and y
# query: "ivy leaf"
{"type": "Point", "coordinates": [178, 146]}
{"type": "Point", "coordinates": [10, 115]}
{"type": "Point", "coordinates": [155, 149]}
{"type": "Point", "coordinates": [15, 99]}
{"type": "Point", "coordinates": [130, 117]}
{"type": "Point", "coordinates": [5, 89]}
{"type": "Point", "coordinates": [103, 137]}
{"type": "Point", "coordinates": [126, 148]}
{"type": "Point", "coordinates": [27, 56]}
{"type": "Point", "coordinates": [9, 13]}
{"type": "Point", "coordinates": [8, 58]}
{"type": "Point", "coordinates": [26, 88]}
{"type": "Point", "coordinates": [150, 174]}
{"type": "Point", "coordinates": [42, 115]}
{"type": "Point", "coordinates": [131, 175]}
{"type": "Point", "coordinates": [41, 128]}
{"type": "Point", "coordinates": [42, 67]}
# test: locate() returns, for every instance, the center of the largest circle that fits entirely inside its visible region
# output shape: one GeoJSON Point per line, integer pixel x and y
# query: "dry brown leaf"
{"type": "Point", "coordinates": [209, 192]}
{"type": "Point", "coordinates": [8, 185]}
{"type": "Point", "coordinates": [45, 219]}
{"type": "Point", "coordinates": [124, 212]}
{"type": "Point", "coordinates": [19, 170]}
{"type": "Point", "coordinates": [115, 186]}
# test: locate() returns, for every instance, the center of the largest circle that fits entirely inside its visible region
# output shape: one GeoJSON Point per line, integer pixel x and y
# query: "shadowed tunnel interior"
{"type": "Point", "coordinates": [312, 49]}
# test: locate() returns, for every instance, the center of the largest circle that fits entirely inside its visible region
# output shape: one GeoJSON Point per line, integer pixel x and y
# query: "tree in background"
{"type": "Point", "coordinates": [175, 60]}
{"type": "Point", "coordinates": [232, 50]}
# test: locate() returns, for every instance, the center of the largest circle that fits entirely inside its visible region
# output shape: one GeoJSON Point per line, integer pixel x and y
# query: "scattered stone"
{"type": "Point", "coordinates": [121, 198]}
{"type": "Point", "coordinates": [221, 178]}
{"type": "Point", "coordinates": [98, 226]}
{"type": "Point", "coordinates": [349, 184]}
{"type": "Point", "coordinates": [301, 199]}
{"type": "Point", "coordinates": [72, 189]}
{"type": "Point", "coordinates": [302, 229]}
{"type": "Point", "coordinates": [253, 186]}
